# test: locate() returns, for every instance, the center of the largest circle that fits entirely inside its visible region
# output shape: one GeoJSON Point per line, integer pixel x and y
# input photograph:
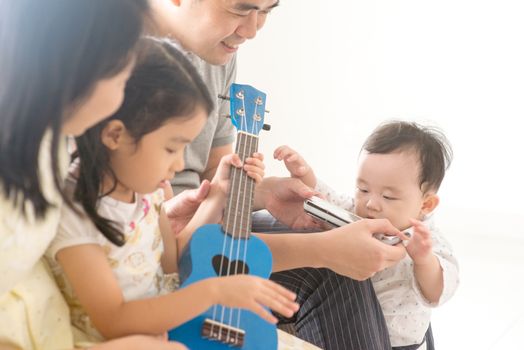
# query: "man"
{"type": "Point", "coordinates": [336, 312]}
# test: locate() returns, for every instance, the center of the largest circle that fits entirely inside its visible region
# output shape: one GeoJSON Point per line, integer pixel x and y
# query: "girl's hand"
{"type": "Point", "coordinates": [254, 167]}
{"type": "Point", "coordinates": [167, 189]}
{"type": "Point", "coordinates": [296, 165]}
{"type": "Point", "coordinates": [420, 245]}
{"type": "Point", "coordinates": [253, 293]}
{"type": "Point", "coordinates": [212, 208]}
{"type": "Point", "coordinates": [181, 208]}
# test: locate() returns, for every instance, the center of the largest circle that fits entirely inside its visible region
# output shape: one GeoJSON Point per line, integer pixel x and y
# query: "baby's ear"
{"type": "Point", "coordinates": [112, 134]}
{"type": "Point", "coordinates": [430, 202]}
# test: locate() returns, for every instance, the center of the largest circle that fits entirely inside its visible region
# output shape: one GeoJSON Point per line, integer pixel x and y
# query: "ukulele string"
{"type": "Point", "coordinates": [243, 123]}
{"type": "Point", "coordinates": [244, 180]}
{"type": "Point", "coordinates": [228, 216]}
{"type": "Point", "coordinates": [238, 241]}
{"type": "Point", "coordinates": [253, 145]}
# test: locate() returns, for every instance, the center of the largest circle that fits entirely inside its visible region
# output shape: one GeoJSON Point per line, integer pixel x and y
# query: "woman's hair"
{"type": "Point", "coordinates": [52, 53]}
{"type": "Point", "coordinates": [163, 86]}
{"type": "Point", "coordinates": [429, 144]}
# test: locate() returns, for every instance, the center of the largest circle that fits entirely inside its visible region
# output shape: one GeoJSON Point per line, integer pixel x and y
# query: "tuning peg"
{"type": "Point", "coordinates": [227, 98]}
{"type": "Point", "coordinates": [265, 127]}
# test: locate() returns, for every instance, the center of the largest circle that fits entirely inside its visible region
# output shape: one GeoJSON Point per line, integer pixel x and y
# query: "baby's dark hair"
{"type": "Point", "coordinates": [429, 143]}
{"type": "Point", "coordinates": [163, 85]}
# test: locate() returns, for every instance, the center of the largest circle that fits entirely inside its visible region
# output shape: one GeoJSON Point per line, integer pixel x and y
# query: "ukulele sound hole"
{"type": "Point", "coordinates": [224, 267]}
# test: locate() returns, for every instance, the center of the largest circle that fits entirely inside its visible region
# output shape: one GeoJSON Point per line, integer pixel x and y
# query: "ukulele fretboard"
{"type": "Point", "coordinates": [237, 215]}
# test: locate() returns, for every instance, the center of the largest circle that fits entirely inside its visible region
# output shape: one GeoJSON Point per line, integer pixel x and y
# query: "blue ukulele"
{"type": "Point", "coordinates": [230, 249]}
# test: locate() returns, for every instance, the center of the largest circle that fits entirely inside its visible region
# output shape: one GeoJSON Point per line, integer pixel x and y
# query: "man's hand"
{"type": "Point", "coordinates": [181, 208]}
{"type": "Point", "coordinates": [351, 250]}
{"type": "Point", "coordinates": [284, 198]}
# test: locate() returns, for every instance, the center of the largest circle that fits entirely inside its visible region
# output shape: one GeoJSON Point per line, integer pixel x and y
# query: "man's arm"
{"type": "Point", "coordinates": [350, 250]}
{"type": "Point", "coordinates": [284, 198]}
{"type": "Point", "coordinates": [215, 155]}
{"type": "Point", "coordinates": [225, 128]}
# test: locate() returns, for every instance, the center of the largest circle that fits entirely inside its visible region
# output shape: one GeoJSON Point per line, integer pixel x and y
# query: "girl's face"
{"type": "Point", "coordinates": [105, 98]}
{"type": "Point", "coordinates": [142, 167]}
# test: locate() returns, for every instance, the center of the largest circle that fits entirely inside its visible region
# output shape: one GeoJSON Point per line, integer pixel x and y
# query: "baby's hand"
{"type": "Point", "coordinates": [420, 245]}
{"type": "Point", "coordinates": [296, 165]}
{"type": "Point", "coordinates": [252, 293]}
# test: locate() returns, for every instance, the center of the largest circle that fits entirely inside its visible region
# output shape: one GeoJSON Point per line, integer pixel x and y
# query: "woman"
{"type": "Point", "coordinates": [64, 65]}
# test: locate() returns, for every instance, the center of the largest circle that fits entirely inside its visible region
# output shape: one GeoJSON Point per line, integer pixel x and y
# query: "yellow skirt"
{"type": "Point", "coordinates": [34, 315]}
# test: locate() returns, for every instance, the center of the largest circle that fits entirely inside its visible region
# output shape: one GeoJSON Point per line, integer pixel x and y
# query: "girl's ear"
{"type": "Point", "coordinates": [113, 134]}
{"type": "Point", "coordinates": [430, 202]}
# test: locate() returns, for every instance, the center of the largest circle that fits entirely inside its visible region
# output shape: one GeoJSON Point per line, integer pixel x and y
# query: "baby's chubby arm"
{"type": "Point", "coordinates": [296, 165]}
{"type": "Point", "coordinates": [426, 265]}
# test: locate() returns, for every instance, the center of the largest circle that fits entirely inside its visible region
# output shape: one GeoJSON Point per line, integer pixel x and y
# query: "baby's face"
{"type": "Point", "coordinates": [388, 187]}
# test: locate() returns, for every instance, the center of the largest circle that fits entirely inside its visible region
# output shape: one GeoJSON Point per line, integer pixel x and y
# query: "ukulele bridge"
{"type": "Point", "coordinates": [223, 333]}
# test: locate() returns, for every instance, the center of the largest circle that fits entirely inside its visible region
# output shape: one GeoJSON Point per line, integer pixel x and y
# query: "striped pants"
{"type": "Point", "coordinates": [336, 312]}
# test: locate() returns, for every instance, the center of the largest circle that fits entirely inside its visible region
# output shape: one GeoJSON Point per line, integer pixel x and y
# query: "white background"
{"type": "Point", "coordinates": [334, 69]}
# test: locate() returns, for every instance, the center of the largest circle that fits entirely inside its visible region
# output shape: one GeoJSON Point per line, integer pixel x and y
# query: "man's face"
{"type": "Point", "coordinates": [216, 28]}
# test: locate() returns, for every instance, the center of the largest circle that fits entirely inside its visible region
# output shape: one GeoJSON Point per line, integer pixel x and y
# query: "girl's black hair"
{"type": "Point", "coordinates": [164, 85]}
{"type": "Point", "coordinates": [52, 53]}
{"type": "Point", "coordinates": [429, 143]}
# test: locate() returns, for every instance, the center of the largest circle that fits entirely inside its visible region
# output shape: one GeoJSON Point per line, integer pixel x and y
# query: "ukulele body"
{"type": "Point", "coordinates": [201, 260]}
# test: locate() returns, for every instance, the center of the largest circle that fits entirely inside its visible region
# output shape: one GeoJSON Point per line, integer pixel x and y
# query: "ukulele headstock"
{"type": "Point", "coordinates": [248, 106]}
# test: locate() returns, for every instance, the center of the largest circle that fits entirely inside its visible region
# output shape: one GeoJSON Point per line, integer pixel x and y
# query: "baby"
{"type": "Point", "coordinates": [400, 170]}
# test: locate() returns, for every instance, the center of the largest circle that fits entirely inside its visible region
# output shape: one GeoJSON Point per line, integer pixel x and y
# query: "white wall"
{"type": "Point", "coordinates": [334, 69]}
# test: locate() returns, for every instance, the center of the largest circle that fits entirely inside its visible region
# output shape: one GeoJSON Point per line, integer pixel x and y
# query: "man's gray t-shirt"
{"type": "Point", "coordinates": [218, 130]}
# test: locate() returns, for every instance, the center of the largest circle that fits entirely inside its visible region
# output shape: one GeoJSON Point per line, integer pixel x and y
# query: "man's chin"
{"type": "Point", "coordinates": [218, 59]}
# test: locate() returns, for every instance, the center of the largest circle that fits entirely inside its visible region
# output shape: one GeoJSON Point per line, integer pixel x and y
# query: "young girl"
{"type": "Point", "coordinates": [116, 265]}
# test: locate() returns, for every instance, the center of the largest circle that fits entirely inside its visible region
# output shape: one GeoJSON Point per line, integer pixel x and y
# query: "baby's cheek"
{"type": "Point", "coordinates": [359, 209]}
